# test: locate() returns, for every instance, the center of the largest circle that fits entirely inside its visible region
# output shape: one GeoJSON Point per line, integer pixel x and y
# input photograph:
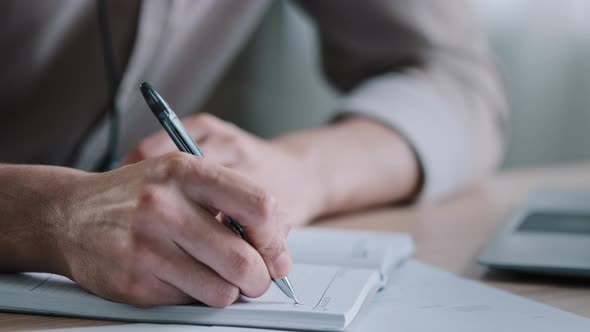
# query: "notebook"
{"type": "Point", "coordinates": [418, 298]}
{"type": "Point", "coordinates": [334, 274]}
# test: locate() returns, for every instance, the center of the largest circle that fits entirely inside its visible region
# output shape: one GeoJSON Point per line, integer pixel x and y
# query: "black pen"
{"type": "Point", "coordinates": [185, 143]}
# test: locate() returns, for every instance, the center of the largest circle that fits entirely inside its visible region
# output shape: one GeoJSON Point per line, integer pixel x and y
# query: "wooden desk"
{"type": "Point", "coordinates": [448, 234]}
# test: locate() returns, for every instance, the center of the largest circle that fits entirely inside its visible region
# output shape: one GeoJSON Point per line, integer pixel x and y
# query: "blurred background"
{"type": "Point", "coordinates": [542, 45]}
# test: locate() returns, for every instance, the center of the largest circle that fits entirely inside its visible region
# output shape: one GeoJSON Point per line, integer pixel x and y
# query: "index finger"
{"type": "Point", "coordinates": [234, 195]}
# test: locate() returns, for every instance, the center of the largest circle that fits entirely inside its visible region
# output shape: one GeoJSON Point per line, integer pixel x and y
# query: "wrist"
{"type": "Point", "coordinates": [356, 163]}
{"type": "Point", "coordinates": [312, 191]}
{"type": "Point", "coordinates": [36, 205]}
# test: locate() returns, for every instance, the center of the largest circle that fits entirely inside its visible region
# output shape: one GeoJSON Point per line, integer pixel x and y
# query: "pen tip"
{"type": "Point", "coordinates": [296, 300]}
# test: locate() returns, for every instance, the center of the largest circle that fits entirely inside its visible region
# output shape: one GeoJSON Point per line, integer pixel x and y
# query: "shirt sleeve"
{"type": "Point", "coordinates": [423, 68]}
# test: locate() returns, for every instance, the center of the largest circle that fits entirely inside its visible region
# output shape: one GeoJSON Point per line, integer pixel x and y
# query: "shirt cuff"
{"type": "Point", "coordinates": [428, 122]}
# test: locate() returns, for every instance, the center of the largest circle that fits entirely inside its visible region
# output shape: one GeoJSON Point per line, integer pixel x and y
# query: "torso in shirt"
{"type": "Point", "coordinates": [53, 87]}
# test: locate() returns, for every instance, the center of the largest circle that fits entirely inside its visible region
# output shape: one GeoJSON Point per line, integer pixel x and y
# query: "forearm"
{"type": "Point", "coordinates": [433, 78]}
{"type": "Point", "coordinates": [356, 163]}
{"type": "Point", "coordinates": [30, 217]}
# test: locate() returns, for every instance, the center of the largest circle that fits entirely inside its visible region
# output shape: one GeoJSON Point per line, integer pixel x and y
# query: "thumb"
{"type": "Point", "coordinates": [273, 249]}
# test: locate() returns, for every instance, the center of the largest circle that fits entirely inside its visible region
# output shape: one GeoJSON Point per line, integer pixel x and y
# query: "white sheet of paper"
{"type": "Point", "coordinates": [419, 297]}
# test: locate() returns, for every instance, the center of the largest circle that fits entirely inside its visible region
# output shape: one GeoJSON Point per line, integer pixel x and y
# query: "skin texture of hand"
{"type": "Point", "coordinates": [344, 166]}
{"type": "Point", "coordinates": [144, 234]}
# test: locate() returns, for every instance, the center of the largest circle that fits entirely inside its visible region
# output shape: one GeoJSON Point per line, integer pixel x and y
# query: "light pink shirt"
{"type": "Point", "coordinates": [422, 67]}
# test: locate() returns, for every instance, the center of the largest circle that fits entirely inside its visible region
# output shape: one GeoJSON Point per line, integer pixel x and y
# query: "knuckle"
{"type": "Point", "coordinates": [207, 172]}
{"type": "Point", "coordinates": [150, 198]}
{"type": "Point", "coordinates": [241, 146]}
{"type": "Point", "coordinates": [265, 204]}
{"type": "Point", "coordinates": [272, 250]}
{"type": "Point", "coordinates": [154, 216]}
{"type": "Point", "coordinates": [223, 295]}
{"type": "Point", "coordinates": [142, 151]}
{"type": "Point", "coordinates": [233, 141]}
{"type": "Point", "coordinates": [242, 261]}
{"type": "Point", "coordinates": [139, 152]}
{"type": "Point", "coordinates": [132, 290]}
{"type": "Point", "coordinates": [176, 163]}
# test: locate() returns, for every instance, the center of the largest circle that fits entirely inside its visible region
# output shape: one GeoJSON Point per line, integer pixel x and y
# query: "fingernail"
{"type": "Point", "coordinates": [281, 265]}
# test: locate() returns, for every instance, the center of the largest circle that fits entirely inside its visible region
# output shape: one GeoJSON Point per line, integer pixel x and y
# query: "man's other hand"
{"type": "Point", "coordinates": [280, 170]}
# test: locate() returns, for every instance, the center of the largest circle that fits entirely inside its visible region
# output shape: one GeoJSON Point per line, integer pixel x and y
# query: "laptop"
{"type": "Point", "coordinates": [549, 233]}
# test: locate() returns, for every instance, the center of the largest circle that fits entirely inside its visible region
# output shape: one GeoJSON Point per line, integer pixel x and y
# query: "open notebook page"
{"type": "Point", "coordinates": [331, 297]}
{"type": "Point", "coordinates": [318, 288]}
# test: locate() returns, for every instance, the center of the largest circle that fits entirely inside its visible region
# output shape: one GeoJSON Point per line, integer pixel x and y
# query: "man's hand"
{"type": "Point", "coordinates": [279, 170]}
{"type": "Point", "coordinates": [147, 233]}
{"type": "Point", "coordinates": [150, 233]}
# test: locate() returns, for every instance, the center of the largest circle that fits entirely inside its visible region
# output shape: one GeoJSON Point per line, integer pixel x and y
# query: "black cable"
{"type": "Point", "coordinates": [110, 156]}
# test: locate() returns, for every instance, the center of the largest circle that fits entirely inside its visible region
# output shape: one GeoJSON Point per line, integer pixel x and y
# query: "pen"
{"type": "Point", "coordinates": [185, 143]}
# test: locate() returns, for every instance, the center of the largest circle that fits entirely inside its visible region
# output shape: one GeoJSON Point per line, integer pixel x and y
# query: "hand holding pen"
{"type": "Point", "coordinates": [259, 235]}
